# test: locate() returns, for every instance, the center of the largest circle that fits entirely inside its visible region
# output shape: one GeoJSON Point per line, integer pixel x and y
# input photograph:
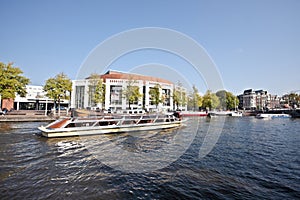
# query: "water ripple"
{"type": "Point", "coordinates": [253, 159]}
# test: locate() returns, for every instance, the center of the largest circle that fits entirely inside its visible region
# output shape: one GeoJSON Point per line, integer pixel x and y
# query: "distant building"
{"type": "Point", "coordinates": [274, 102]}
{"type": "Point", "coordinates": [258, 100]}
{"type": "Point", "coordinates": [249, 100]}
{"type": "Point", "coordinates": [115, 82]}
{"type": "Point", "coordinates": [35, 99]}
{"type": "Point", "coordinates": [261, 99]}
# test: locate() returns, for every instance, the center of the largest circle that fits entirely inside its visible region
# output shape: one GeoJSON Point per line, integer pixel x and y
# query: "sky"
{"type": "Point", "coordinates": [253, 43]}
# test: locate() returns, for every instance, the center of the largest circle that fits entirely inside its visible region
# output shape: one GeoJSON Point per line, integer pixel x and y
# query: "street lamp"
{"type": "Point", "coordinates": [46, 108]}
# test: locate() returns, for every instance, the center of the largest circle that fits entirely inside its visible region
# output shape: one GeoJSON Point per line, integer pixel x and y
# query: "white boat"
{"type": "Point", "coordinates": [109, 124]}
{"type": "Point", "coordinates": [193, 113]}
{"type": "Point", "coordinates": [219, 113]}
{"type": "Point", "coordinates": [271, 116]}
{"type": "Point", "coordinates": [236, 114]}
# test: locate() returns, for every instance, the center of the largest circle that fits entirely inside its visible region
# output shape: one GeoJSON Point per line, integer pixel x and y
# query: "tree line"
{"type": "Point", "coordinates": [60, 87]}
{"type": "Point", "coordinates": [12, 83]}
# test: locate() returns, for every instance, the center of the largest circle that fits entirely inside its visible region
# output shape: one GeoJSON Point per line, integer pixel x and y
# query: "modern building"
{"type": "Point", "coordinates": [35, 99]}
{"type": "Point", "coordinates": [115, 82]}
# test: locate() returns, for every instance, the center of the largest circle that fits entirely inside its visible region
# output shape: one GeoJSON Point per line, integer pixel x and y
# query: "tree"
{"type": "Point", "coordinates": [155, 95]}
{"type": "Point", "coordinates": [97, 89]}
{"type": "Point", "coordinates": [131, 92]}
{"type": "Point", "coordinates": [179, 95]}
{"type": "Point", "coordinates": [210, 100]}
{"type": "Point", "coordinates": [228, 101]}
{"type": "Point", "coordinates": [222, 95]}
{"type": "Point", "coordinates": [57, 88]}
{"type": "Point", "coordinates": [231, 101]}
{"type": "Point", "coordinates": [12, 82]}
{"type": "Point", "coordinates": [194, 99]}
{"type": "Point", "coordinates": [293, 99]}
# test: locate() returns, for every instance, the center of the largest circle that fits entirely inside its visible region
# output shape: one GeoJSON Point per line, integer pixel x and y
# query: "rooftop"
{"type": "Point", "coordinates": [111, 74]}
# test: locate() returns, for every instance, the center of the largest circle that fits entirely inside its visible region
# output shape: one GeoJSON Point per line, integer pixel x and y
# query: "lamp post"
{"type": "Point", "coordinates": [46, 108]}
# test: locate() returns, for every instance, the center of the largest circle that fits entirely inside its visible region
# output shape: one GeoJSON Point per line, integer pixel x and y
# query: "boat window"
{"type": "Point", "coordinates": [103, 123]}
{"type": "Point", "coordinates": [145, 121]}
{"type": "Point", "coordinates": [112, 122]}
{"type": "Point", "coordinates": [83, 124]}
{"type": "Point", "coordinates": [146, 117]}
{"type": "Point", "coordinates": [160, 120]}
{"type": "Point", "coordinates": [70, 125]}
{"type": "Point", "coordinates": [127, 122]}
{"type": "Point", "coordinates": [135, 117]}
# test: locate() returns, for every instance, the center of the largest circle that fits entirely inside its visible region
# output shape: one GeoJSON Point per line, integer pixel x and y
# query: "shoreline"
{"type": "Point", "coordinates": [17, 119]}
{"type": "Point", "coordinates": [27, 116]}
{"type": "Point", "coordinates": [24, 118]}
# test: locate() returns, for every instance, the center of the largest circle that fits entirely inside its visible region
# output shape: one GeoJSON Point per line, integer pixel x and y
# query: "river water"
{"type": "Point", "coordinates": [252, 159]}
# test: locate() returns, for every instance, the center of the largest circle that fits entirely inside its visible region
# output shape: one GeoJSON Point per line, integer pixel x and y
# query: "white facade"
{"type": "Point", "coordinates": [256, 100]}
{"type": "Point", "coordinates": [249, 101]}
{"type": "Point", "coordinates": [35, 98]}
{"type": "Point", "coordinates": [34, 93]}
{"type": "Point", "coordinates": [115, 100]}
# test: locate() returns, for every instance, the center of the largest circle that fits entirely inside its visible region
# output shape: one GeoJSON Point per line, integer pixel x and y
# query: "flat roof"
{"type": "Point", "coordinates": [111, 74]}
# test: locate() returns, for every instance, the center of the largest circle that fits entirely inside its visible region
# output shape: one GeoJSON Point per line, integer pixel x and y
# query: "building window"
{"type": "Point", "coordinates": [116, 95]}
{"type": "Point", "coordinates": [91, 96]}
{"type": "Point", "coordinates": [79, 96]}
{"type": "Point", "coordinates": [166, 97]}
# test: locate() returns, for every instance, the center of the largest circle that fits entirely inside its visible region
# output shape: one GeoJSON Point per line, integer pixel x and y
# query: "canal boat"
{"type": "Point", "coordinates": [193, 113]}
{"type": "Point", "coordinates": [271, 116]}
{"type": "Point", "coordinates": [295, 113]}
{"type": "Point", "coordinates": [219, 114]}
{"type": "Point", "coordinates": [110, 124]}
{"type": "Point", "coordinates": [236, 114]}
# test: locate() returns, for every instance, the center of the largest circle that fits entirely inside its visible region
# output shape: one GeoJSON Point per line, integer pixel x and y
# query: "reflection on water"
{"type": "Point", "coordinates": [142, 151]}
{"type": "Point", "coordinates": [252, 159]}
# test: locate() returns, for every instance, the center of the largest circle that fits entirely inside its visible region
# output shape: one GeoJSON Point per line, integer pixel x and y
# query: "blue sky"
{"type": "Point", "coordinates": [254, 43]}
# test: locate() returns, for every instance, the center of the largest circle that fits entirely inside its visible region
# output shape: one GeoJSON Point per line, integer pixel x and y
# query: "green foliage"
{"type": "Point", "coordinates": [293, 99]}
{"type": "Point", "coordinates": [96, 83]}
{"type": "Point", "coordinates": [179, 95]}
{"type": "Point", "coordinates": [11, 81]}
{"type": "Point", "coordinates": [228, 101]}
{"type": "Point", "coordinates": [131, 92]}
{"type": "Point", "coordinates": [58, 87]}
{"type": "Point", "coordinates": [231, 101]}
{"type": "Point", "coordinates": [210, 100]}
{"type": "Point", "coordinates": [194, 99]}
{"type": "Point", "coordinates": [155, 95]}
{"type": "Point", "coordinates": [222, 95]}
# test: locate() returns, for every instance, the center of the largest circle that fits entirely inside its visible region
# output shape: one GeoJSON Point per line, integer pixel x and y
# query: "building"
{"type": "Point", "coordinates": [258, 100]}
{"type": "Point", "coordinates": [262, 98]}
{"type": "Point", "coordinates": [249, 100]}
{"type": "Point", "coordinates": [115, 82]}
{"type": "Point", "coordinates": [35, 99]}
{"type": "Point", "coordinates": [274, 102]}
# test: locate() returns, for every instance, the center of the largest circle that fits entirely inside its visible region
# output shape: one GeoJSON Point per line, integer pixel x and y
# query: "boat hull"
{"type": "Point", "coordinates": [236, 114]}
{"type": "Point", "coordinates": [193, 114]}
{"type": "Point", "coordinates": [81, 131]}
{"type": "Point", "coordinates": [272, 116]}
